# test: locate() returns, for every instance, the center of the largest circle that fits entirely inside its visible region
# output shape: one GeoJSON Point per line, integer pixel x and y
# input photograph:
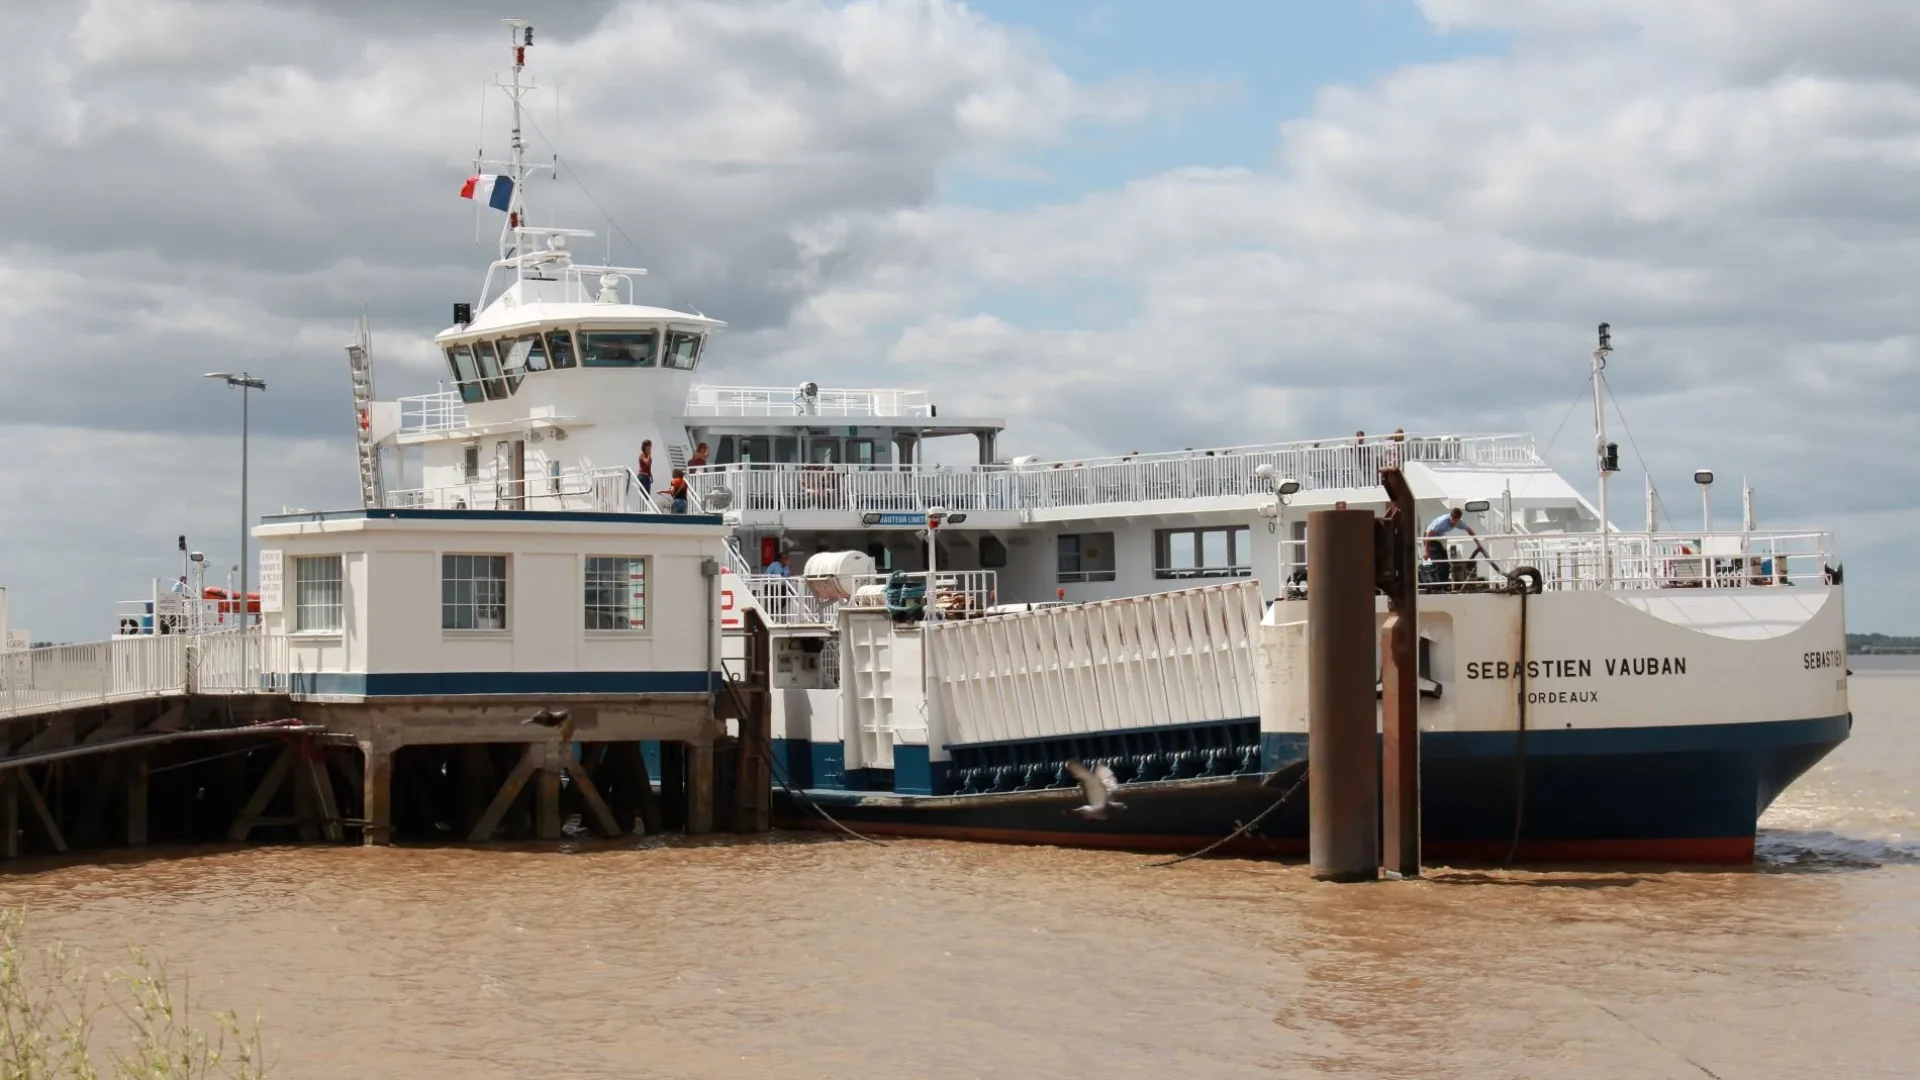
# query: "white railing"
{"type": "Point", "coordinates": [241, 663]}
{"type": "Point", "coordinates": [1631, 561]}
{"type": "Point", "coordinates": [788, 401]}
{"type": "Point", "coordinates": [614, 490]}
{"type": "Point", "coordinates": [1139, 478]}
{"type": "Point", "coordinates": [443, 411]}
{"type": "Point", "coordinates": [94, 673]}
{"type": "Point", "coordinates": [785, 600]}
{"type": "Point", "coordinates": [146, 666]}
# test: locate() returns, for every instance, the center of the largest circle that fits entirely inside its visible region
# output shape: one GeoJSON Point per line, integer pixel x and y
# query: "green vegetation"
{"type": "Point", "coordinates": [1882, 643]}
{"type": "Point", "coordinates": [50, 1002]}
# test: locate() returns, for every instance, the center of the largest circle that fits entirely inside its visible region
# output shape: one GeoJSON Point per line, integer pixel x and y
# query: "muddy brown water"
{"type": "Point", "coordinates": [799, 958]}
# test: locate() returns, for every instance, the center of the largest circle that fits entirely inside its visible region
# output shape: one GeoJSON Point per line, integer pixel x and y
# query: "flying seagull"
{"type": "Point", "coordinates": [553, 718]}
{"type": "Point", "coordinates": [1099, 785]}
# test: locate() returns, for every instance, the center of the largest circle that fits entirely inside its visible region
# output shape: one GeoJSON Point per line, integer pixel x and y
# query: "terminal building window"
{"type": "Point", "coordinates": [316, 593]}
{"type": "Point", "coordinates": [473, 592]}
{"type": "Point", "coordinates": [1199, 553]}
{"type": "Point", "coordinates": [626, 348]}
{"type": "Point", "coordinates": [1085, 557]}
{"type": "Point", "coordinates": [616, 592]}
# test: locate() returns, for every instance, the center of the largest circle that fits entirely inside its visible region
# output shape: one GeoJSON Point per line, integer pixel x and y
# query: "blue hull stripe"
{"type": "Point", "coordinates": [1602, 788]}
{"type": "Point", "coordinates": [500, 683]}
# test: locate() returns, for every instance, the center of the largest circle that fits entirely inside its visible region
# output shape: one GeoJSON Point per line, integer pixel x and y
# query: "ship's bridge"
{"type": "Point", "coordinates": [578, 324]}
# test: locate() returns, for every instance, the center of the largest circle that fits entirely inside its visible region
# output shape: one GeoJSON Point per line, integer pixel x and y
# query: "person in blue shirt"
{"type": "Point", "coordinates": [778, 567]}
{"type": "Point", "coordinates": [1442, 525]}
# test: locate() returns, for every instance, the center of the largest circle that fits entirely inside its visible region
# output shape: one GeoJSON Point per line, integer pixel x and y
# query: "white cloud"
{"type": "Point", "coordinates": [1732, 185]}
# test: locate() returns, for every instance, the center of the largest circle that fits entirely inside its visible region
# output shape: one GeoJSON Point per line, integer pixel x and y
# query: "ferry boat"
{"type": "Point", "coordinates": [946, 638]}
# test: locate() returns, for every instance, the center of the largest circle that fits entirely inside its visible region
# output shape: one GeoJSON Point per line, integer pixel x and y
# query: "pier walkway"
{"type": "Point", "coordinates": [191, 738]}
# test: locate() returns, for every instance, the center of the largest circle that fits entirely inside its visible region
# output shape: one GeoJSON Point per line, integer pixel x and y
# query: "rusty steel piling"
{"type": "Point", "coordinates": [1343, 784]}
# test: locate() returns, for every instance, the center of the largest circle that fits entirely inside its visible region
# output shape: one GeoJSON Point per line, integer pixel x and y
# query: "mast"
{"type": "Point", "coordinates": [1606, 455]}
{"type": "Point", "coordinates": [519, 39]}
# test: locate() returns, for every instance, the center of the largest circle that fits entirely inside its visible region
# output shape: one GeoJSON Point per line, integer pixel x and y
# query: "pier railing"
{"type": "Point", "coordinates": [1578, 561]}
{"type": "Point", "coordinates": [94, 673]}
{"type": "Point", "coordinates": [57, 677]}
{"type": "Point", "coordinates": [1234, 471]}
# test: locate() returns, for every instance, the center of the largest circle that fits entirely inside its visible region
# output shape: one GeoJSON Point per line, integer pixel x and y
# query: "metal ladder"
{"type": "Point", "coordinates": [360, 369]}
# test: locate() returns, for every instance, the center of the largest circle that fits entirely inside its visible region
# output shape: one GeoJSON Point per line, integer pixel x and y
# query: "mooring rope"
{"type": "Point", "coordinates": [778, 773]}
{"type": "Point", "coordinates": [1249, 826]}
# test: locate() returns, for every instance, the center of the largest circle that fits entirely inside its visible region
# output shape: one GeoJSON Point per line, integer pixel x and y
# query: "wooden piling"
{"type": "Point", "coordinates": [549, 790]}
{"type": "Point", "coordinates": [137, 784]}
{"type": "Point", "coordinates": [699, 788]}
{"type": "Point", "coordinates": [377, 802]}
{"type": "Point", "coordinates": [1342, 760]}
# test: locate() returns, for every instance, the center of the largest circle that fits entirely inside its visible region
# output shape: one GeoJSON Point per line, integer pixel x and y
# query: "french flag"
{"type": "Point", "coordinates": [495, 191]}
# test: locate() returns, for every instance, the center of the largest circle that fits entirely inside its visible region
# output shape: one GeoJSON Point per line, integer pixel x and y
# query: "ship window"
{"type": "Point", "coordinates": [513, 361]}
{"type": "Point", "coordinates": [683, 350]}
{"type": "Point", "coordinates": [534, 352]}
{"type": "Point", "coordinates": [619, 349]}
{"type": "Point", "coordinates": [1197, 553]}
{"type": "Point", "coordinates": [859, 451]}
{"type": "Point", "coordinates": [517, 358]}
{"type": "Point", "coordinates": [616, 593]}
{"type": "Point", "coordinates": [553, 478]}
{"type": "Point", "coordinates": [465, 374]}
{"type": "Point", "coordinates": [1084, 557]}
{"type": "Point", "coordinates": [823, 451]}
{"type": "Point", "coordinates": [756, 448]}
{"type": "Point", "coordinates": [496, 386]}
{"type": "Point", "coordinates": [316, 593]}
{"type": "Point", "coordinates": [786, 449]}
{"type": "Point", "coordinates": [470, 464]}
{"type": "Point", "coordinates": [560, 348]}
{"type": "Point", "coordinates": [473, 592]}
{"type": "Point", "coordinates": [723, 451]}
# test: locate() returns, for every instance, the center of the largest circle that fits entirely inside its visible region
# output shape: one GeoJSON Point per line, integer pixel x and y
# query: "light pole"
{"type": "Point", "coordinates": [934, 516]}
{"type": "Point", "coordinates": [1704, 478]}
{"type": "Point", "coordinates": [1276, 513]}
{"type": "Point", "coordinates": [245, 382]}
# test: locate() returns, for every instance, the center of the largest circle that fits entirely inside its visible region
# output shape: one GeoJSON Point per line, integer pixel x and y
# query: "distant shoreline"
{"type": "Point", "coordinates": [1882, 645]}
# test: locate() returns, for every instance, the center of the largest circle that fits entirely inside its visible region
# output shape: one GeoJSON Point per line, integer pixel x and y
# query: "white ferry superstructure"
{"type": "Point", "coordinates": [1631, 695]}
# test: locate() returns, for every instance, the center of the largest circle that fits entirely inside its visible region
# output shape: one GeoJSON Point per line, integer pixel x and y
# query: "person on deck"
{"type": "Point", "coordinates": [1436, 548]}
{"type": "Point", "coordinates": [699, 457]}
{"type": "Point", "coordinates": [778, 567]}
{"type": "Point", "coordinates": [678, 489]}
{"type": "Point", "coordinates": [646, 467]}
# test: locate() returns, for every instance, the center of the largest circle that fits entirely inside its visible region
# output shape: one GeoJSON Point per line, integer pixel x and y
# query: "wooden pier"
{"type": "Point", "coordinates": [190, 764]}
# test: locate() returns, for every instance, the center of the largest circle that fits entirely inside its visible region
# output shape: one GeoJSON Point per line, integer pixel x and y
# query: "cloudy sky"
{"type": "Point", "coordinates": [1117, 225]}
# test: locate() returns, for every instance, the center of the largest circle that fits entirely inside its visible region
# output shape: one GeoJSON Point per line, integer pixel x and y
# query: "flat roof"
{"type": "Point", "coordinates": [411, 514]}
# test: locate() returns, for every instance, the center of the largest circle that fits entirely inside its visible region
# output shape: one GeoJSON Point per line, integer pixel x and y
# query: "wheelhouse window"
{"type": "Point", "coordinates": [316, 593]}
{"type": "Point", "coordinates": [490, 377]}
{"type": "Point", "coordinates": [625, 348]}
{"type": "Point", "coordinates": [560, 348]}
{"type": "Point", "coordinates": [536, 352]}
{"type": "Point", "coordinates": [1085, 557]}
{"type": "Point", "coordinates": [473, 592]}
{"type": "Point", "coordinates": [465, 375]}
{"type": "Point", "coordinates": [1197, 553]}
{"type": "Point", "coordinates": [683, 350]}
{"type": "Point", "coordinates": [616, 592]}
{"type": "Point", "coordinates": [513, 360]}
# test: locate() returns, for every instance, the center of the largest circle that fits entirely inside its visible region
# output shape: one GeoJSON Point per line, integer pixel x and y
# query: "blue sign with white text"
{"type": "Point", "coordinates": [902, 519]}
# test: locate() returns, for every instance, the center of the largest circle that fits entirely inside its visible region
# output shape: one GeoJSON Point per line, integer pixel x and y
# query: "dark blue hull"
{"type": "Point", "coordinates": [1690, 794]}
